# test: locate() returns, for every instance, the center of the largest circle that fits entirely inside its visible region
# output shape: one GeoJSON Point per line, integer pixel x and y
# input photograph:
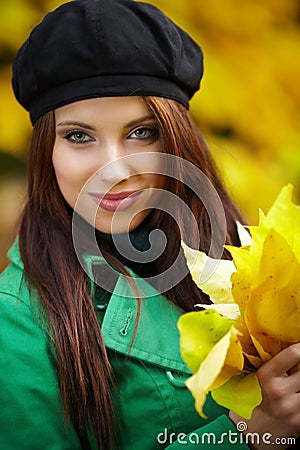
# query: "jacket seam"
{"type": "Point", "coordinates": [148, 356]}
{"type": "Point", "coordinates": [163, 400]}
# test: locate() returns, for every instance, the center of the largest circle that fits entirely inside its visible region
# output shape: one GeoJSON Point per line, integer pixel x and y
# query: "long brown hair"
{"type": "Point", "coordinates": [52, 267]}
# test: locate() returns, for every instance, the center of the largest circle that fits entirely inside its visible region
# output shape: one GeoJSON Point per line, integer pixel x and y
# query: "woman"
{"type": "Point", "coordinates": [89, 304]}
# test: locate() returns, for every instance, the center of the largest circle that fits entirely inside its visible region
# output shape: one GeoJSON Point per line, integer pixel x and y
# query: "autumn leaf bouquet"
{"type": "Point", "coordinates": [255, 310]}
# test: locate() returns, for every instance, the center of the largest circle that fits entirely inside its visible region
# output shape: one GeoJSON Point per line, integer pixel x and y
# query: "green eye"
{"type": "Point", "coordinates": [144, 133]}
{"type": "Point", "coordinates": [78, 137]}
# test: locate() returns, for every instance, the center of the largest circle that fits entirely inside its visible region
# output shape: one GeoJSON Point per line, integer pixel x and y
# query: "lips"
{"type": "Point", "coordinates": [115, 201]}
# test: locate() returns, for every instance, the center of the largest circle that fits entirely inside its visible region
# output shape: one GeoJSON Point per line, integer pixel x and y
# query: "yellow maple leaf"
{"type": "Point", "coordinates": [258, 298]}
{"type": "Point", "coordinates": [217, 357]}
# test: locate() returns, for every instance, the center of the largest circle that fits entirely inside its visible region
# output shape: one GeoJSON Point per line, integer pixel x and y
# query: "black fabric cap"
{"type": "Point", "coordinates": [95, 48]}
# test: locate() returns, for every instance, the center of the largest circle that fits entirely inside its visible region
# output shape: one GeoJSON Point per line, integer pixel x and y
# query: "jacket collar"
{"type": "Point", "coordinates": [14, 254]}
{"type": "Point", "coordinates": [157, 338]}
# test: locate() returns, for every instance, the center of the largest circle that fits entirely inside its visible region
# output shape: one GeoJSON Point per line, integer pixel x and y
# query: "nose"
{"type": "Point", "coordinates": [115, 165]}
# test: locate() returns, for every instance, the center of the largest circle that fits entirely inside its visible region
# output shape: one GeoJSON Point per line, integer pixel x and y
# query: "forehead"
{"type": "Point", "coordinates": [118, 109]}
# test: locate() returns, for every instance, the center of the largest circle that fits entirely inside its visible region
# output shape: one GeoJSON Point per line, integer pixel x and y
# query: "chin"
{"type": "Point", "coordinates": [119, 224]}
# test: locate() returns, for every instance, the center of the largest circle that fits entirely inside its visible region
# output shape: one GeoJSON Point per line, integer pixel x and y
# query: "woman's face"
{"type": "Point", "coordinates": [102, 162]}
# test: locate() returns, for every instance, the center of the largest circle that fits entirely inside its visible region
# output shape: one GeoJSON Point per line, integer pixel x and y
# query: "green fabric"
{"type": "Point", "coordinates": [152, 404]}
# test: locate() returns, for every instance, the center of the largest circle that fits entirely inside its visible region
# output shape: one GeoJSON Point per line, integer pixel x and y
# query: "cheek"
{"type": "Point", "coordinates": [155, 166]}
{"type": "Point", "coordinates": [69, 171]}
{"type": "Point", "coordinates": [150, 165]}
{"type": "Point", "coordinates": [156, 181]}
{"type": "Point", "coordinates": [70, 176]}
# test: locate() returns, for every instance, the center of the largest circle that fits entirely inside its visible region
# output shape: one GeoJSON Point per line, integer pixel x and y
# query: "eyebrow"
{"type": "Point", "coordinates": [89, 127]}
{"type": "Point", "coordinates": [76, 124]}
{"type": "Point", "coordinates": [139, 120]}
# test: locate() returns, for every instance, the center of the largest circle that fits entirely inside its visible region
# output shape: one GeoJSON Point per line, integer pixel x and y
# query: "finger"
{"type": "Point", "coordinates": [292, 383]}
{"type": "Point", "coordinates": [281, 363]}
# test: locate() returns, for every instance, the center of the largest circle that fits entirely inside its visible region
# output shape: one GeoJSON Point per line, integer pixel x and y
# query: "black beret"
{"type": "Point", "coordinates": [96, 48]}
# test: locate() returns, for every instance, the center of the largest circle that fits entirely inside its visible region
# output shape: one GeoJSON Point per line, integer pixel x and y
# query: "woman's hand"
{"type": "Point", "coordinates": [279, 412]}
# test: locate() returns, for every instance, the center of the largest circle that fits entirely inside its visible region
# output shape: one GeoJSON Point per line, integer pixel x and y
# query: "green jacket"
{"type": "Point", "coordinates": [152, 404]}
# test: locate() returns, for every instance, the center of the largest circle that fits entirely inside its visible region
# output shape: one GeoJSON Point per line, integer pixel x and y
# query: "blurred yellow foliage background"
{"type": "Point", "coordinates": [248, 107]}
